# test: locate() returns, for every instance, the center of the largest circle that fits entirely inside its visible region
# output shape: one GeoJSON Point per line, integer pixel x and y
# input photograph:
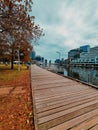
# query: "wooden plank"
{"type": "Point", "coordinates": [61, 104]}
{"type": "Point", "coordinates": [65, 107]}
{"type": "Point", "coordinates": [94, 127]}
{"type": "Point", "coordinates": [67, 92]}
{"type": "Point", "coordinates": [75, 121]}
{"type": "Point", "coordinates": [72, 112]}
{"type": "Point", "coordinates": [57, 97]}
{"type": "Point", "coordinates": [87, 124]}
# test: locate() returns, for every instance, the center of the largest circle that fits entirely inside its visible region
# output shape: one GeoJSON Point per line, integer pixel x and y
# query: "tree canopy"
{"type": "Point", "coordinates": [17, 27]}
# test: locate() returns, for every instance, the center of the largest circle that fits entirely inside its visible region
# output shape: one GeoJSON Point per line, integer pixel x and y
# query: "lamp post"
{"type": "Point", "coordinates": [59, 60]}
{"type": "Point", "coordinates": [59, 54]}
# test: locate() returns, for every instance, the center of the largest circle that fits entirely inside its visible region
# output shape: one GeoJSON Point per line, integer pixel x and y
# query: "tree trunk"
{"type": "Point", "coordinates": [12, 58]}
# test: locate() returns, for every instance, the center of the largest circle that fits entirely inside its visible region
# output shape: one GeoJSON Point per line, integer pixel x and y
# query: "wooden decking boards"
{"type": "Point", "coordinates": [61, 103]}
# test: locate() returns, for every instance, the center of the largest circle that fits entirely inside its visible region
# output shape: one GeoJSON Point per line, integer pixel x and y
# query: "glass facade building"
{"type": "Point", "coordinates": [90, 56]}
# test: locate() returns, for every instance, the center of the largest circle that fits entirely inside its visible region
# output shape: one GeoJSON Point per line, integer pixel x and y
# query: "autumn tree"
{"type": "Point", "coordinates": [17, 27]}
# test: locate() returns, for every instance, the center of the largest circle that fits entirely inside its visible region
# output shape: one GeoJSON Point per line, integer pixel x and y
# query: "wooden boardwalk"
{"type": "Point", "coordinates": [61, 103]}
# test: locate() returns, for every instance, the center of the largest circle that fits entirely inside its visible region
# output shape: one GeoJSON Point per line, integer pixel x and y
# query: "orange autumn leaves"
{"type": "Point", "coordinates": [15, 100]}
{"type": "Point", "coordinates": [17, 28]}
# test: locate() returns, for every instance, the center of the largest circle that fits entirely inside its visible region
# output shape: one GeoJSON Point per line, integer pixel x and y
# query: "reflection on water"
{"type": "Point", "coordinates": [89, 75]}
{"type": "Point", "coordinates": [56, 68]}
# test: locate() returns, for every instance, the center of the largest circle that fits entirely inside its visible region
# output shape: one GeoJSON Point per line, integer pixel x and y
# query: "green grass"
{"type": "Point", "coordinates": [7, 74]}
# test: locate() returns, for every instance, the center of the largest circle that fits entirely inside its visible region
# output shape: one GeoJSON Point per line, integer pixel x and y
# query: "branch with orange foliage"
{"type": "Point", "coordinates": [17, 27]}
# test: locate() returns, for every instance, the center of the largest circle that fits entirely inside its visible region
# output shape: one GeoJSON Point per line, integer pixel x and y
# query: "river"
{"type": "Point", "coordinates": [89, 75]}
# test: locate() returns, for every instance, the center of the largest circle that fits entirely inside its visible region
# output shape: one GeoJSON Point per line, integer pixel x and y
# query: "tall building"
{"type": "Point", "coordinates": [33, 55]}
{"type": "Point", "coordinates": [90, 56]}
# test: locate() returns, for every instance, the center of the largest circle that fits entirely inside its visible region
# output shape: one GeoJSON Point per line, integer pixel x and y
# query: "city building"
{"type": "Point", "coordinates": [74, 53]}
{"type": "Point", "coordinates": [85, 48]}
{"type": "Point", "coordinates": [88, 56]}
{"type": "Point", "coordinates": [33, 55]}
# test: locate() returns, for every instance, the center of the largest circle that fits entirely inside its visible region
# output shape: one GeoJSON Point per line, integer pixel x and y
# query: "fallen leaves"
{"type": "Point", "coordinates": [16, 107]}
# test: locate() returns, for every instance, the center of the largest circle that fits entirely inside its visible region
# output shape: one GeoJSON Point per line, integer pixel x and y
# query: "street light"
{"type": "Point", "coordinates": [59, 54]}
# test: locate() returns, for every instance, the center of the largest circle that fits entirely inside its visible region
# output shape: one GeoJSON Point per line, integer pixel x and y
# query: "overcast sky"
{"type": "Point", "coordinates": [67, 24]}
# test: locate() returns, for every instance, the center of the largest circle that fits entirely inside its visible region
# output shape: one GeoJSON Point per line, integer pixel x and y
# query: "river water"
{"type": "Point", "coordinates": [89, 75]}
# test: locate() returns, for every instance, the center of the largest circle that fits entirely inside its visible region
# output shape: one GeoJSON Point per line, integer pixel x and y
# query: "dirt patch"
{"type": "Point", "coordinates": [5, 91]}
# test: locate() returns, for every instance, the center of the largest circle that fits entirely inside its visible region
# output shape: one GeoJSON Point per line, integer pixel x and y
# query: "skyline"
{"type": "Point", "coordinates": [67, 24]}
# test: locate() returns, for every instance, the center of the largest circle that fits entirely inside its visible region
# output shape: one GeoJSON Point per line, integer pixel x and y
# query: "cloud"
{"type": "Point", "coordinates": [67, 24]}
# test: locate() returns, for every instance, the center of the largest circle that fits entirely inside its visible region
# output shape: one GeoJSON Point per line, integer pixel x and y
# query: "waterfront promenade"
{"type": "Point", "coordinates": [60, 103]}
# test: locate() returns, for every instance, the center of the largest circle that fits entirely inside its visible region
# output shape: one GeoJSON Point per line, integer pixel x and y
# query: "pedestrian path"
{"type": "Point", "coordinates": [61, 103]}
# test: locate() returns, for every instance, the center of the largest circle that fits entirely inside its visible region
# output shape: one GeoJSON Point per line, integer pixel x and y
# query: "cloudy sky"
{"type": "Point", "coordinates": [67, 24]}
